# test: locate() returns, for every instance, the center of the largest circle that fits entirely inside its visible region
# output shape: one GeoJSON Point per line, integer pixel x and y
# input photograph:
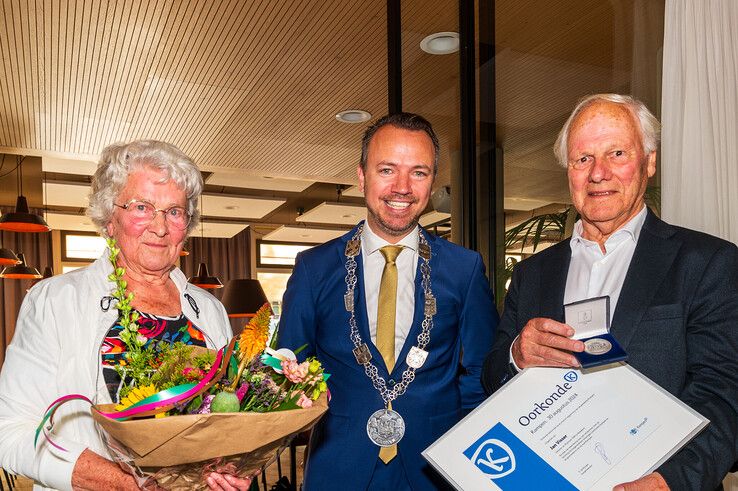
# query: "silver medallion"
{"type": "Point", "coordinates": [362, 354]}
{"type": "Point", "coordinates": [416, 357]}
{"type": "Point", "coordinates": [385, 427]}
{"type": "Point", "coordinates": [597, 346]}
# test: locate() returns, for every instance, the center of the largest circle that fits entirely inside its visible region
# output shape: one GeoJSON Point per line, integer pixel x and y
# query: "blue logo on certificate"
{"type": "Point", "coordinates": [511, 464]}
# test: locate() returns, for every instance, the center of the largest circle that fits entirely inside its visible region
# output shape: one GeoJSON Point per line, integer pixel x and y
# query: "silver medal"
{"type": "Point", "coordinates": [597, 346]}
{"type": "Point", "coordinates": [385, 427]}
{"type": "Point", "coordinates": [416, 357]}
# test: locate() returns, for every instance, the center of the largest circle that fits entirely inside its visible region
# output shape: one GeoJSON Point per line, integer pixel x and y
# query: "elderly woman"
{"type": "Point", "coordinates": [67, 338]}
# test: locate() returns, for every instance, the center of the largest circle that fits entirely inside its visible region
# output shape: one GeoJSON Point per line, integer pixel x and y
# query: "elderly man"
{"type": "Point", "coordinates": [673, 291]}
{"type": "Point", "coordinates": [388, 308]}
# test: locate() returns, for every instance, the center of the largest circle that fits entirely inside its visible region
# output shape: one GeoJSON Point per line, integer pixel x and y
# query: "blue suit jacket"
{"type": "Point", "coordinates": [677, 317]}
{"type": "Point", "coordinates": [341, 454]}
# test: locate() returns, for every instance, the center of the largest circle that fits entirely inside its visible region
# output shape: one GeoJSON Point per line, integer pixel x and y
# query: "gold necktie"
{"type": "Point", "coordinates": [386, 312]}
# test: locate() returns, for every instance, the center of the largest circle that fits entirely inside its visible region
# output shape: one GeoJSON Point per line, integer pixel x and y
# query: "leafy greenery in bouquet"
{"type": "Point", "coordinates": [258, 378]}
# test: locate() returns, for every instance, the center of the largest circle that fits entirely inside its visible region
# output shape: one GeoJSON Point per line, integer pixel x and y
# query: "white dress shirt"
{"type": "Point", "coordinates": [593, 273]}
{"type": "Point", "coordinates": [373, 263]}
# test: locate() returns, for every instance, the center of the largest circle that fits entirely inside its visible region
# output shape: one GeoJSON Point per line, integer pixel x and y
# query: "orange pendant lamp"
{"type": "Point", "coordinates": [20, 271]}
{"type": "Point", "coordinates": [8, 257]}
{"type": "Point", "coordinates": [204, 280]}
{"type": "Point", "coordinates": [21, 220]}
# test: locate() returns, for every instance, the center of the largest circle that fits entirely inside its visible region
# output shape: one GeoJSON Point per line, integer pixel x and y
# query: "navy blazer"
{"type": "Point", "coordinates": [677, 317]}
{"type": "Point", "coordinates": [341, 454]}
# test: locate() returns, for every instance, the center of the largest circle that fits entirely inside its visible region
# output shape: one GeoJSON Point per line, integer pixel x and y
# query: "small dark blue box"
{"type": "Point", "coordinates": [590, 319]}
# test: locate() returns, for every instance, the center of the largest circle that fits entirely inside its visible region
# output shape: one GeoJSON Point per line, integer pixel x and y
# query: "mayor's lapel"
{"type": "Point", "coordinates": [652, 259]}
{"type": "Point", "coordinates": [359, 300]}
{"type": "Point", "coordinates": [418, 313]}
{"type": "Point", "coordinates": [553, 281]}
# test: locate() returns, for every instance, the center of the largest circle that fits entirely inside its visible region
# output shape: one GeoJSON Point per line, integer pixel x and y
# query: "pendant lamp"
{"type": "Point", "coordinates": [20, 271]}
{"type": "Point", "coordinates": [243, 297]}
{"type": "Point", "coordinates": [48, 273]}
{"type": "Point", "coordinates": [203, 278]}
{"type": "Point", "coordinates": [8, 257]}
{"type": "Point", "coordinates": [21, 220]}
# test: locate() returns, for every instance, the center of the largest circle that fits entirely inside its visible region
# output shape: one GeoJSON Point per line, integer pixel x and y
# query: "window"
{"type": "Point", "coordinates": [81, 246]}
{"type": "Point", "coordinates": [277, 254]}
{"type": "Point", "coordinates": [274, 262]}
{"type": "Point", "coordinates": [78, 249]}
{"type": "Point", "coordinates": [274, 285]}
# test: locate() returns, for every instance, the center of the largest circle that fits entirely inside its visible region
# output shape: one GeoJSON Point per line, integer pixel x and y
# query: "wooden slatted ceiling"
{"type": "Point", "coordinates": [253, 86]}
{"type": "Point", "coordinates": [245, 85]}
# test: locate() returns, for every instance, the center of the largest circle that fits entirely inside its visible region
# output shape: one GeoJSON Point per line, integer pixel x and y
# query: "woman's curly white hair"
{"type": "Point", "coordinates": [119, 160]}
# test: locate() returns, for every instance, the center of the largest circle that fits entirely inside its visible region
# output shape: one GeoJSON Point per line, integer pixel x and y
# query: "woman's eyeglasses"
{"type": "Point", "coordinates": [143, 212]}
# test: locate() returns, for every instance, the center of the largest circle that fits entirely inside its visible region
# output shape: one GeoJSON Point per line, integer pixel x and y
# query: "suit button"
{"type": "Point", "coordinates": [391, 383]}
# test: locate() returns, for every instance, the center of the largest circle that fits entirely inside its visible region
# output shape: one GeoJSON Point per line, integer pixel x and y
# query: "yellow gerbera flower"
{"type": "Point", "coordinates": [136, 395]}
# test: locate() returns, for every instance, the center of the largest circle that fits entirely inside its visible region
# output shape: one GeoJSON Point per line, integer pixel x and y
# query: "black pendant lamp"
{"type": "Point", "coordinates": [243, 298]}
{"type": "Point", "coordinates": [20, 271]}
{"type": "Point", "coordinates": [21, 220]}
{"type": "Point", "coordinates": [48, 273]}
{"type": "Point", "coordinates": [203, 278]}
{"type": "Point", "coordinates": [8, 257]}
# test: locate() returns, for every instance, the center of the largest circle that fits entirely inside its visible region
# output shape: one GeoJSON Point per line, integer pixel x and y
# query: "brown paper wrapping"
{"type": "Point", "coordinates": [175, 450]}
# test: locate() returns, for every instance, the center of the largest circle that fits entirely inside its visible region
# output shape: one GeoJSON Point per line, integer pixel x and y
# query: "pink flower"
{"type": "Point", "coordinates": [193, 373]}
{"type": "Point", "coordinates": [304, 401]}
{"type": "Point", "coordinates": [295, 372]}
{"type": "Point", "coordinates": [242, 391]}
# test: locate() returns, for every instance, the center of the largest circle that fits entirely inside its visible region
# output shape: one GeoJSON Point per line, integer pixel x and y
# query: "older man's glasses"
{"type": "Point", "coordinates": [143, 212]}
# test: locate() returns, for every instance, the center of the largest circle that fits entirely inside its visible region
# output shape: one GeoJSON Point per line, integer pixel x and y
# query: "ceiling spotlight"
{"type": "Point", "coordinates": [353, 116]}
{"type": "Point", "coordinates": [441, 43]}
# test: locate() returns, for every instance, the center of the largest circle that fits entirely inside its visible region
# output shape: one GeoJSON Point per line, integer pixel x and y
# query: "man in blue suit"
{"type": "Point", "coordinates": [401, 320]}
{"type": "Point", "coordinates": [674, 291]}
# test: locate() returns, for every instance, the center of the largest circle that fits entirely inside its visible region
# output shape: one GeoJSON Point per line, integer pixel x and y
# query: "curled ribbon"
{"type": "Point", "coordinates": [160, 402]}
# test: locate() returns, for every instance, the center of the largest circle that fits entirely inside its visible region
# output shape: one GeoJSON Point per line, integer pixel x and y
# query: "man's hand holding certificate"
{"type": "Point", "coordinates": [558, 428]}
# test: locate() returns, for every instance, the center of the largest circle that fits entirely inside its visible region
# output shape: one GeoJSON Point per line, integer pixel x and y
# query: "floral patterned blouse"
{"type": "Point", "coordinates": [156, 329]}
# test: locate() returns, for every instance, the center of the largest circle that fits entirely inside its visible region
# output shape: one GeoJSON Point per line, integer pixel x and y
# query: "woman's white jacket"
{"type": "Point", "coordinates": [55, 351]}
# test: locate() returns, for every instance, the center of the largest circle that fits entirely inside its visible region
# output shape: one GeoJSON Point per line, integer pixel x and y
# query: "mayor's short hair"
{"type": "Point", "coordinates": [649, 126]}
{"type": "Point", "coordinates": [405, 121]}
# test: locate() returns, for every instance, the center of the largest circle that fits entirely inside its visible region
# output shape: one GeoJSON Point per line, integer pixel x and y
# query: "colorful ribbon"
{"type": "Point", "coordinates": [160, 402]}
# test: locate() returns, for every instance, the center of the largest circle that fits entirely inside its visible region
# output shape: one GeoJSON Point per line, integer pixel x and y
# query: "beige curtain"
{"type": "Point", "coordinates": [699, 150]}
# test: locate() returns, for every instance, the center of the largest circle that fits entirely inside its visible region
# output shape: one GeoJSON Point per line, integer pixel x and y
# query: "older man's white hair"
{"type": "Point", "coordinates": [649, 126]}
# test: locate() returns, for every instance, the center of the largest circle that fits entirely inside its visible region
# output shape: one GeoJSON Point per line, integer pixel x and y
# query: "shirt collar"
{"type": "Point", "coordinates": [371, 242]}
{"type": "Point", "coordinates": [631, 229]}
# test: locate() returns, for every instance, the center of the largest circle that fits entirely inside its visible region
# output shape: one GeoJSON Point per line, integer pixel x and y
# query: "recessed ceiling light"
{"type": "Point", "coordinates": [441, 43]}
{"type": "Point", "coordinates": [353, 116]}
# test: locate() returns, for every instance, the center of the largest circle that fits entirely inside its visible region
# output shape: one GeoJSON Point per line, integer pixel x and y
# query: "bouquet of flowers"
{"type": "Point", "coordinates": [186, 411]}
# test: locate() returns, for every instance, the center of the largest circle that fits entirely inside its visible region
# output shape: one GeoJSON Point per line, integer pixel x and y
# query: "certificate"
{"type": "Point", "coordinates": [560, 428]}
